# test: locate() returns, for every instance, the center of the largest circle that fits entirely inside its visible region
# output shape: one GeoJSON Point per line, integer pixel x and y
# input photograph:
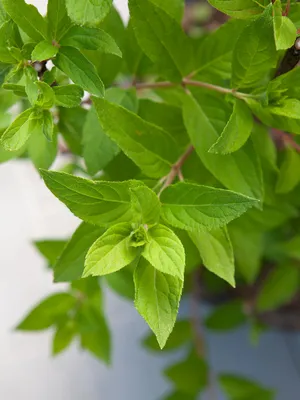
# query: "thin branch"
{"type": "Point", "coordinates": [287, 8]}
{"type": "Point", "coordinates": [154, 85]}
{"type": "Point", "coordinates": [190, 82]}
{"type": "Point", "coordinates": [216, 88]}
{"type": "Point", "coordinates": [286, 139]}
{"type": "Point", "coordinates": [176, 170]}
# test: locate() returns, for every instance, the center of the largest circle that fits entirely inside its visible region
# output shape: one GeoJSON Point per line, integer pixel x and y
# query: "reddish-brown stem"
{"type": "Point", "coordinates": [176, 170]}
{"type": "Point", "coordinates": [287, 8]}
{"type": "Point", "coordinates": [286, 139]}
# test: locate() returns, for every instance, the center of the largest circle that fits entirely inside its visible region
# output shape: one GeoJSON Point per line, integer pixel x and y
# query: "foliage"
{"type": "Point", "coordinates": [185, 164]}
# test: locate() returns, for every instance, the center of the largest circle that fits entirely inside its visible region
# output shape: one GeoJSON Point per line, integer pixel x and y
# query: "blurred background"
{"type": "Point", "coordinates": [29, 212]}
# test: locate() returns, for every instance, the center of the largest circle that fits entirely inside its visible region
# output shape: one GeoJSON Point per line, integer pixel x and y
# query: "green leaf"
{"type": "Point", "coordinates": [199, 208]}
{"type": "Point", "coordinates": [48, 312]}
{"type": "Point", "coordinates": [98, 148]}
{"type": "Point", "coordinates": [180, 336]}
{"type": "Point", "coordinates": [48, 126]}
{"type": "Point", "coordinates": [95, 335]}
{"type": "Point", "coordinates": [278, 288]}
{"type": "Point", "coordinates": [63, 337]}
{"type": "Point", "coordinates": [41, 151]}
{"type": "Point", "coordinates": [80, 70]}
{"type": "Point", "coordinates": [111, 252]}
{"type": "Point", "coordinates": [17, 134]}
{"type": "Point", "coordinates": [44, 97]}
{"type": "Point", "coordinates": [254, 54]}
{"type": "Point", "coordinates": [27, 17]}
{"type": "Point", "coordinates": [167, 117]}
{"type": "Point", "coordinates": [50, 249]}
{"type": "Point", "coordinates": [70, 264]}
{"type": "Point", "coordinates": [157, 297]}
{"type": "Point", "coordinates": [88, 12]}
{"type": "Point", "coordinates": [226, 317]}
{"type": "Point", "coordinates": [292, 248]}
{"type": "Point", "coordinates": [203, 120]}
{"type": "Point", "coordinates": [189, 376]}
{"type": "Point", "coordinates": [173, 58]}
{"type": "Point", "coordinates": [238, 8]}
{"type": "Point", "coordinates": [71, 123]}
{"type": "Point", "coordinates": [58, 20]}
{"type": "Point", "coordinates": [44, 51]}
{"type": "Point", "coordinates": [91, 39]}
{"type": "Point", "coordinates": [174, 8]}
{"type": "Point", "coordinates": [237, 388]}
{"type": "Point", "coordinates": [121, 282]}
{"type": "Point", "coordinates": [146, 205]}
{"type": "Point", "coordinates": [216, 251]}
{"type": "Point", "coordinates": [165, 252]}
{"type": "Point", "coordinates": [151, 148]}
{"type": "Point", "coordinates": [237, 130]}
{"type": "Point", "coordinates": [214, 55]}
{"type": "Point", "coordinates": [100, 203]}
{"type": "Point", "coordinates": [284, 30]}
{"type": "Point", "coordinates": [248, 249]}
{"type": "Point", "coordinates": [68, 96]}
{"type": "Point", "coordinates": [289, 177]}
{"type": "Point", "coordinates": [180, 396]}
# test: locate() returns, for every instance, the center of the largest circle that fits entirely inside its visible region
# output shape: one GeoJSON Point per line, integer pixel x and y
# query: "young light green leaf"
{"type": "Point", "coordinates": [238, 388]}
{"type": "Point", "coordinates": [199, 208]}
{"type": "Point", "coordinates": [288, 177]}
{"type": "Point", "coordinates": [58, 20]}
{"type": "Point", "coordinates": [98, 149]}
{"type": "Point", "coordinates": [237, 130]}
{"type": "Point", "coordinates": [17, 134]}
{"type": "Point", "coordinates": [280, 286]}
{"type": "Point", "coordinates": [91, 39]}
{"type": "Point", "coordinates": [151, 148]}
{"type": "Point", "coordinates": [173, 58]}
{"type": "Point", "coordinates": [79, 69]}
{"type": "Point", "coordinates": [111, 252]}
{"type": "Point", "coordinates": [284, 30]}
{"type": "Point", "coordinates": [27, 17]}
{"type": "Point", "coordinates": [48, 312]}
{"type": "Point", "coordinates": [63, 337]}
{"type": "Point", "coordinates": [70, 264]}
{"type": "Point", "coordinates": [43, 51]}
{"type": "Point", "coordinates": [216, 252]}
{"type": "Point", "coordinates": [254, 54]}
{"type": "Point", "coordinates": [145, 204]}
{"type": "Point", "coordinates": [203, 121]}
{"type": "Point", "coordinates": [88, 12]}
{"type": "Point", "coordinates": [100, 203]}
{"type": "Point", "coordinates": [157, 297]}
{"type": "Point", "coordinates": [164, 251]}
{"type": "Point", "coordinates": [68, 96]}
{"type": "Point", "coordinates": [238, 8]}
